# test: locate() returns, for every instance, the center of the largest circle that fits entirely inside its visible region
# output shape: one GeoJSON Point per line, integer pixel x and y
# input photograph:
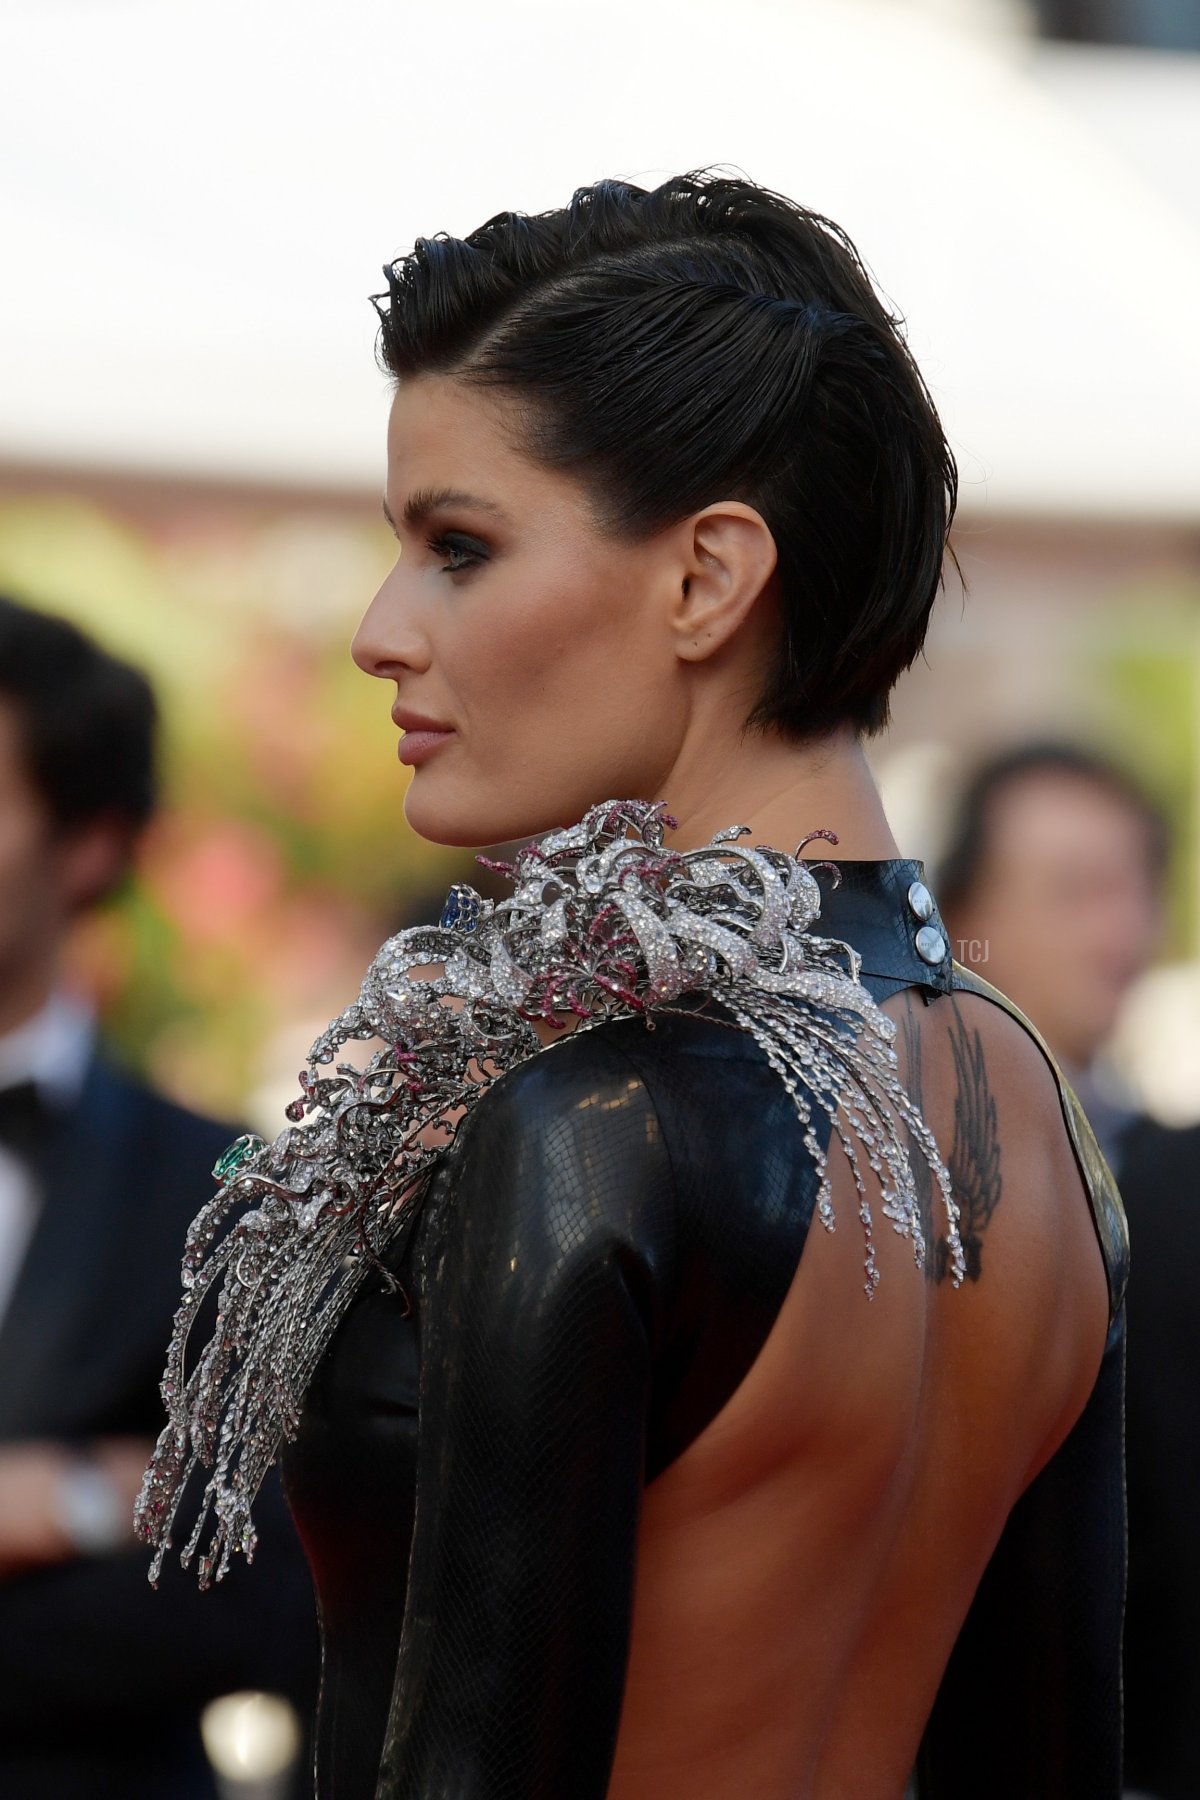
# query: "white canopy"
{"type": "Point", "coordinates": [195, 200]}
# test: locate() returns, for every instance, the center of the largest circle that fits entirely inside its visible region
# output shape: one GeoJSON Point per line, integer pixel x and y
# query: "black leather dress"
{"type": "Point", "coordinates": [597, 1264]}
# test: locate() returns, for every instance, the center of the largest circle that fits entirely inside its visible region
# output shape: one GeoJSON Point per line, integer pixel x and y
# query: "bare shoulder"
{"type": "Point", "coordinates": [1011, 1043]}
{"type": "Point", "coordinates": [991, 1094]}
{"type": "Point", "coordinates": [1037, 1285]}
{"type": "Point", "coordinates": [986, 1043]}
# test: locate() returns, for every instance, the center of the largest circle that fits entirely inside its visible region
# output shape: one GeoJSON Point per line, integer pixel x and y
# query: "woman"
{"type": "Point", "coordinates": [612, 1481]}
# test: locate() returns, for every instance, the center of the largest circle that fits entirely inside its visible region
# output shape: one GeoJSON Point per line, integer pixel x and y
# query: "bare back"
{"type": "Point", "coordinates": [667, 1510]}
{"type": "Point", "coordinates": [805, 1566]}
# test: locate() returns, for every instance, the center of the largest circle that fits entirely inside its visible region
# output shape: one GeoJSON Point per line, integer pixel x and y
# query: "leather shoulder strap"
{"type": "Point", "coordinates": [1108, 1215]}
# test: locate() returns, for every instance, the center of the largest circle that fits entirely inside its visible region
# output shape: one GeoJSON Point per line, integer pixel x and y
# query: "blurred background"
{"type": "Point", "coordinates": [196, 199]}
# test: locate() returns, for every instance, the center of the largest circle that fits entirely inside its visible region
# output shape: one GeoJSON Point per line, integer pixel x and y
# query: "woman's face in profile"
{"type": "Point", "coordinates": [534, 642]}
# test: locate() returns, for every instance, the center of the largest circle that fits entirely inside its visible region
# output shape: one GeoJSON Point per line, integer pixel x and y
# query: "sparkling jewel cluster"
{"type": "Point", "coordinates": [604, 922]}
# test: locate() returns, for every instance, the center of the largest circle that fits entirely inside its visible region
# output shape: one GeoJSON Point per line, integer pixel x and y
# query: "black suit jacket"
{"type": "Point", "coordinates": [102, 1677]}
{"type": "Point", "coordinates": [1160, 1180]}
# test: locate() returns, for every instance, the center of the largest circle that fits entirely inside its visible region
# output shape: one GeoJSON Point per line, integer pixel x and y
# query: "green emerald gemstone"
{"type": "Point", "coordinates": [229, 1160]}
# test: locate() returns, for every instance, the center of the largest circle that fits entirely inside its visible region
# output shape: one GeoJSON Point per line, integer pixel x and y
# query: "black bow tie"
{"type": "Point", "coordinates": [23, 1116]}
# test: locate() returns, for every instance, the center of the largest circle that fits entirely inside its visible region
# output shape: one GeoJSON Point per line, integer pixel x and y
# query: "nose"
{"type": "Point", "coordinates": [388, 640]}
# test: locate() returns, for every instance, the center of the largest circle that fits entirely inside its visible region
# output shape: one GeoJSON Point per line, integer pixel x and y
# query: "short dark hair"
{"type": "Point", "coordinates": [703, 340]}
{"type": "Point", "coordinates": [966, 846]}
{"type": "Point", "coordinates": [87, 721]}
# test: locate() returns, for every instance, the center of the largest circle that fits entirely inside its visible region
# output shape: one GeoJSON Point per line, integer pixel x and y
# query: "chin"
{"type": "Point", "coordinates": [465, 817]}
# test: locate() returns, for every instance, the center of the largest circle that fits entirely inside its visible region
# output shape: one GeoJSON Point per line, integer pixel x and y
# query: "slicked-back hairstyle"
{"type": "Point", "coordinates": [710, 340]}
{"type": "Point", "coordinates": [86, 721]}
{"type": "Point", "coordinates": [964, 856]}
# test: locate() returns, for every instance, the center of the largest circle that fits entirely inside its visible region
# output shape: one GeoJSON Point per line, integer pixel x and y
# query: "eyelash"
{"type": "Point", "coordinates": [467, 552]}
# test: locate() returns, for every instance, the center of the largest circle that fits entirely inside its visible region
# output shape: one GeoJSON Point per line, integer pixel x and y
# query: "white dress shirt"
{"type": "Point", "coordinates": [53, 1049]}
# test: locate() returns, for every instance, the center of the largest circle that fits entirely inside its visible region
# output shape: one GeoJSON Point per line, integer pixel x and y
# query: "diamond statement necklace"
{"type": "Point", "coordinates": [603, 922]}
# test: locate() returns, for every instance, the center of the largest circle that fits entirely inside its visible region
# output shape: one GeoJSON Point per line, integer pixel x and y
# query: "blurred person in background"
{"type": "Point", "coordinates": [1053, 884]}
{"type": "Point", "coordinates": [101, 1681]}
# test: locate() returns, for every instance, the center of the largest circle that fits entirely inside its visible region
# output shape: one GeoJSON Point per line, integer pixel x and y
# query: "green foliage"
{"type": "Point", "coordinates": [1147, 673]}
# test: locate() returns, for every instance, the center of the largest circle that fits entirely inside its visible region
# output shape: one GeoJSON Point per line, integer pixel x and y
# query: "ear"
{"type": "Point", "coordinates": [93, 858]}
{"type": "Point", "coordinates": [730, 556]}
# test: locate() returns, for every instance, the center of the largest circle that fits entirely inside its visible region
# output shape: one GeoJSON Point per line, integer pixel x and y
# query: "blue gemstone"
{"type": "Point", "coordinates": [461, 909]}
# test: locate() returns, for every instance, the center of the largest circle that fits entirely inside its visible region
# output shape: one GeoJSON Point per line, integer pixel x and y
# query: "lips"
{"type": "Point", "coordinates": [422, 736]}
{"type": "Point", "coordinates": [412, 721]}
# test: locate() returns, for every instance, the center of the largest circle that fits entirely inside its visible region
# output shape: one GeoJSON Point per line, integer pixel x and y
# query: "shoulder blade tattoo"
{"type": "Point", "coordinates": [974, 1160]}
{"type": "Point", "coordinates": [975, 1155]}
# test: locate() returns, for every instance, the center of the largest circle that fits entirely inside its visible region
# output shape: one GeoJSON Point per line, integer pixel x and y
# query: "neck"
{"type": "Point", "coordinates": [783, 791]}
{"type": "Point", "coordinates": [24, 991]}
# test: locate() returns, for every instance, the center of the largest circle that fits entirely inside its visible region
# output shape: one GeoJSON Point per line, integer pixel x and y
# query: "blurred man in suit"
{"type": "Point", "coordinates": [101, 1679]}
{"type": "Point", "coordinates": [1052, 883]}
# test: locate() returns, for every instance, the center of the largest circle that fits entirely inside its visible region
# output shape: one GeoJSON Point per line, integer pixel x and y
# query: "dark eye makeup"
{"type": "Point", "coordinates": [461, 552]}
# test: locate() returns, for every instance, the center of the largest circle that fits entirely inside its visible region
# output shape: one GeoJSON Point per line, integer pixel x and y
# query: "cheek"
{"type": "Point", "coordinates": [548, 649]}
{"type": "Point", "coordinates": [26, 869]}
{"type": "Point", "coordinates": [22, 844]}
{"type": "Point", "coordinates": [561, 701]}
{"type": "Point", "coordinates": [1024, 934]}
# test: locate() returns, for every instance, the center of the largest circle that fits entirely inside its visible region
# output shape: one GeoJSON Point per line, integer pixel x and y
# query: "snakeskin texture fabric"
{"type": "Point", "coordinates": [597, 1315]}
{"type": "Point", "coordinates": [610, 1240]}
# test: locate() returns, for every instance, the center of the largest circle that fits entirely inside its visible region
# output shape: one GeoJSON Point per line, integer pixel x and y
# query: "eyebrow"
{"type": "Point", "coordinates": [425, 501]}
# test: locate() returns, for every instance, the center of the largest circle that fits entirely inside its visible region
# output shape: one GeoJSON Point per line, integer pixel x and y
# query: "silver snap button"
{"type": "Point", "coordinates": [931, 945]}
{"type": "Point", "coordinates": [921, 900]}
